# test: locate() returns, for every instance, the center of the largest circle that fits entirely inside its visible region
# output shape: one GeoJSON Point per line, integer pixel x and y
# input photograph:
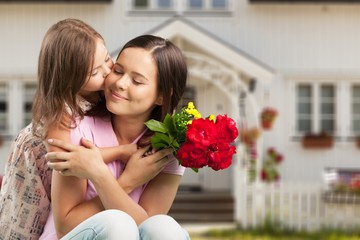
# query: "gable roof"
{"type": "Point", "coordinates": [232, 56]}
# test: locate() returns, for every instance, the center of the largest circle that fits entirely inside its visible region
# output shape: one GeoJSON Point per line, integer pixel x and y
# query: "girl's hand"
{"type": "Point", "coordinates": [125, 151]}
{"type": "Point", "coordinates": [140, 170]}
{"type": "Point", "coordinates": [80, 161]}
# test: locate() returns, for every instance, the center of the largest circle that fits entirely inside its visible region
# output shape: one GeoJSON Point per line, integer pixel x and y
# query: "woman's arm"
{"type": "Point", "coordinates": [160, 193]}
{"type": "Point", "coordinates": [113, 193]}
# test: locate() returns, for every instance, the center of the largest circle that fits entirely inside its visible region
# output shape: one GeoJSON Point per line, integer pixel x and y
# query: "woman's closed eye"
{"type": "Point", "coordinates": [117, 70]}
{"type": "Point", "coordinates": [137, 81]}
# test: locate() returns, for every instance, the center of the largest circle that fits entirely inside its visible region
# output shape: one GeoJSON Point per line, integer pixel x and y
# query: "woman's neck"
{"type": "Point", "coordinates": [127, 129]}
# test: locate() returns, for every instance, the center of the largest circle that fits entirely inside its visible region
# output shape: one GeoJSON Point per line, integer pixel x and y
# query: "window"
{"type": "Point", "coordinates": [219, 4]}
{"type": "Point", "coordinates": [195, 4]}
{"type": "Point", "coordinates": [315, 108]}
{"type": "Point", "coordinates": [27, 105]}
{"type": "Point", "coordinates": [355, 107]}
{"type": "Point", "coordinates": [164, 4]}
{"type": "Point", "coordinates": [152, 5]}
{"type": "Point", "coordinates": [327, 108]}
{"type": "Point", "coordinates": [208, 5]}
{"type": "Point", "coordinates": [3, 107]}
{"type": "Point", "coordinates": [141, 3]}
{"type": "Point", "coordinates": [182, 7]}
{"type": "Point", "coordinates": [304, 108]}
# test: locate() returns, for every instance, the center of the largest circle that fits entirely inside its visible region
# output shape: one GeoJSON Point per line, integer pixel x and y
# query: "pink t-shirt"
{"type": "Point", "coordinates": [101, 133]}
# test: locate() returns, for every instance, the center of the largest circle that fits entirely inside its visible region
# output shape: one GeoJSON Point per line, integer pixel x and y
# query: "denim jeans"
{"type": "Point", "coordinates": [115, 224]}
{"type": "Point", "coordinates": [162, 227]}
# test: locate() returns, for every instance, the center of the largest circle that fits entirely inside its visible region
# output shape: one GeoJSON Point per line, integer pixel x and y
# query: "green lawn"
{"type": "Point", "coordinates": [268, 234]}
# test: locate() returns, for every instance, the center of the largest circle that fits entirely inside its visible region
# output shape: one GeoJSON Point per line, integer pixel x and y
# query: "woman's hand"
{"type": "Point", "coordinates": [80, 161]}
{"type": "Point", "coordinates": [141, 168]}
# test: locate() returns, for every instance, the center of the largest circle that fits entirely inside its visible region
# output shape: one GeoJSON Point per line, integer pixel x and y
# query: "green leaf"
{"type": "Point", "coordinates": [168, 121]}
{"type": "Point", "coordinates": [175, 144]}
{"type": "Point", "coordinates": [159, 145]}
{"type": "Point", "coordinates": [160, 137]}
{"type": "Point", "coordinates": [164, 137]}
{"type": "Point", "coordinates": [195, 170]}
{"type": "Point", "coordinates": [156, 126]}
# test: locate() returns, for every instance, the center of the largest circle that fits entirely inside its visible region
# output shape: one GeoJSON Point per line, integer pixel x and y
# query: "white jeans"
{"type": "Point", "coordinates": [115, 224]}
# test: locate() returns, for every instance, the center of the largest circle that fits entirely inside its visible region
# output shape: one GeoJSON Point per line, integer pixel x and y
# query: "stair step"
{"type": "Point", "coordinates": [228, 207]}
{"type": "Point", "coordinates": [203, 207]}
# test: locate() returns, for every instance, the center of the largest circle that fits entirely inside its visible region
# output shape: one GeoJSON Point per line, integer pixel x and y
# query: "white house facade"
{"type": "Point", "coordinates": [300, 58]}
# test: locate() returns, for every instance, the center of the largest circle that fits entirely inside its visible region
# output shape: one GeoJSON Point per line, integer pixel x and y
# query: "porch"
{"type": "Point", "coordinates": [203, 207]}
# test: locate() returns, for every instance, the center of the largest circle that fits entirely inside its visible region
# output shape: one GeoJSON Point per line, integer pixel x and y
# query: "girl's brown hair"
{"type": "Point", "coordinates": [65, 61]}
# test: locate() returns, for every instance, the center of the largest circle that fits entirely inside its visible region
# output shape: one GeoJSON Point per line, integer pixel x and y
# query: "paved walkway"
{"type": "Point", "coordinates": [196, 229]}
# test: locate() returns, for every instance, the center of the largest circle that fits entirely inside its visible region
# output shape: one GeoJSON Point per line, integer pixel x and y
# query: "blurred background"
{"type": "Point", "coordinates": [287, 71]}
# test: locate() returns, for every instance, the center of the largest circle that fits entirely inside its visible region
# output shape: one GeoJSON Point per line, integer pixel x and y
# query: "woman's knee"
{"type": "Point", "coordinates": [108, 224]}
{"type": "Point", "coordinates": [119, 225]}
{"type": "Point", "coordinates": [161, 227]}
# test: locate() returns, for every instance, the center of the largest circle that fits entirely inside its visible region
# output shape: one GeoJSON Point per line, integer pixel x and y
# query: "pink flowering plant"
{"type": "Point", "coordinates": [197, 142]}
{"type": "Point", "coordinates": [345, 182]}
{"type": "Point", "coordinates": [269, 172]}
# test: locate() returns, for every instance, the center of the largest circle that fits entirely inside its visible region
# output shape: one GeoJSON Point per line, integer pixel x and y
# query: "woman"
{"type": "Point", "coordinates": [146, 82]}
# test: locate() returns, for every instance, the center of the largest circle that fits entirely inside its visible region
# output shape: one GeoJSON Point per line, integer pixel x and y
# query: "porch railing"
{"type": "Point", "coordinates": [295, 206]}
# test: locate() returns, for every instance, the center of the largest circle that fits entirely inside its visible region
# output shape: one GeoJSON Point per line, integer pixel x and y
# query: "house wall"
{"type": "Point", "coordinates": [287, 37]}
{"type": "Point", "coordinates": [293, 39]}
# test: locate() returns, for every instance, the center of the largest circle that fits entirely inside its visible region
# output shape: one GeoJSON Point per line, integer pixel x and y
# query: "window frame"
{"type": "Point", "coordinates": [29, 93]}
{"type": "Point", "coordinates": [315, 114]}
{"type": "Point", "coordinates": [353, 131]}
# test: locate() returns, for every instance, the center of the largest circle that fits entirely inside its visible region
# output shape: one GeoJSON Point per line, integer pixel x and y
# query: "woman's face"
{"type": "Point", "coordinates": [100, 69]}
{"type": "Point", "coordinates": [131, 87]}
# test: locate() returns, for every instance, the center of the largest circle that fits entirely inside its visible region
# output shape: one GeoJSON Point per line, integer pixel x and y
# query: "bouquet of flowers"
{"type": "Point", "coordinates": [197, 142]}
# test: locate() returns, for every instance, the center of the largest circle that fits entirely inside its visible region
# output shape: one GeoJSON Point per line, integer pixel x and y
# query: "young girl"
{"type": "Point", "coordinates": [73, 63]}
{"type": "Point", "coordinates": [147, 81]}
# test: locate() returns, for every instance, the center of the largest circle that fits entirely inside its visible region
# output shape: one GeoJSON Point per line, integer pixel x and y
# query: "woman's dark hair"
{"type": "Point", "coordinates": [65, 60]}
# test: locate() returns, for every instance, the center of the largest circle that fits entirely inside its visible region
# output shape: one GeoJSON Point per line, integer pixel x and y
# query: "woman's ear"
{"type": "Point", "coordinates": [159, 100]}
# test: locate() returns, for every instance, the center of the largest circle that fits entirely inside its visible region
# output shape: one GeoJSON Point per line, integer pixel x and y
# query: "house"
{"type": "Point", "coordinates": [299, 57]}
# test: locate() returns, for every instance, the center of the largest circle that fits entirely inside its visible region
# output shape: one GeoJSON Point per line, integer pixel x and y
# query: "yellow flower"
{"type": "Point", "coordinates": [193, 112]}
{"type": "Point", "coordinates": [191, 105]}
{"type": "Point", "coordinates": [197, 115]}
{"type": "Point", "coordinates": [212, 117]}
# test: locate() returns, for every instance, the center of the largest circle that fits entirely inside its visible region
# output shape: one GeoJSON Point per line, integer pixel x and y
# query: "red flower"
{"type": "Point", "coordinates": [264, 175]}
{"type": "Point", "coordinates": [279, 158]}
{"type": "Point", "coordinates": [226, 128]}
{"type": "Point", "coordinates": [201, 131]}
{"type": "Point", "coordinates": [191, 156]}
{"type": "Point", "coordinates": [220, 155]}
